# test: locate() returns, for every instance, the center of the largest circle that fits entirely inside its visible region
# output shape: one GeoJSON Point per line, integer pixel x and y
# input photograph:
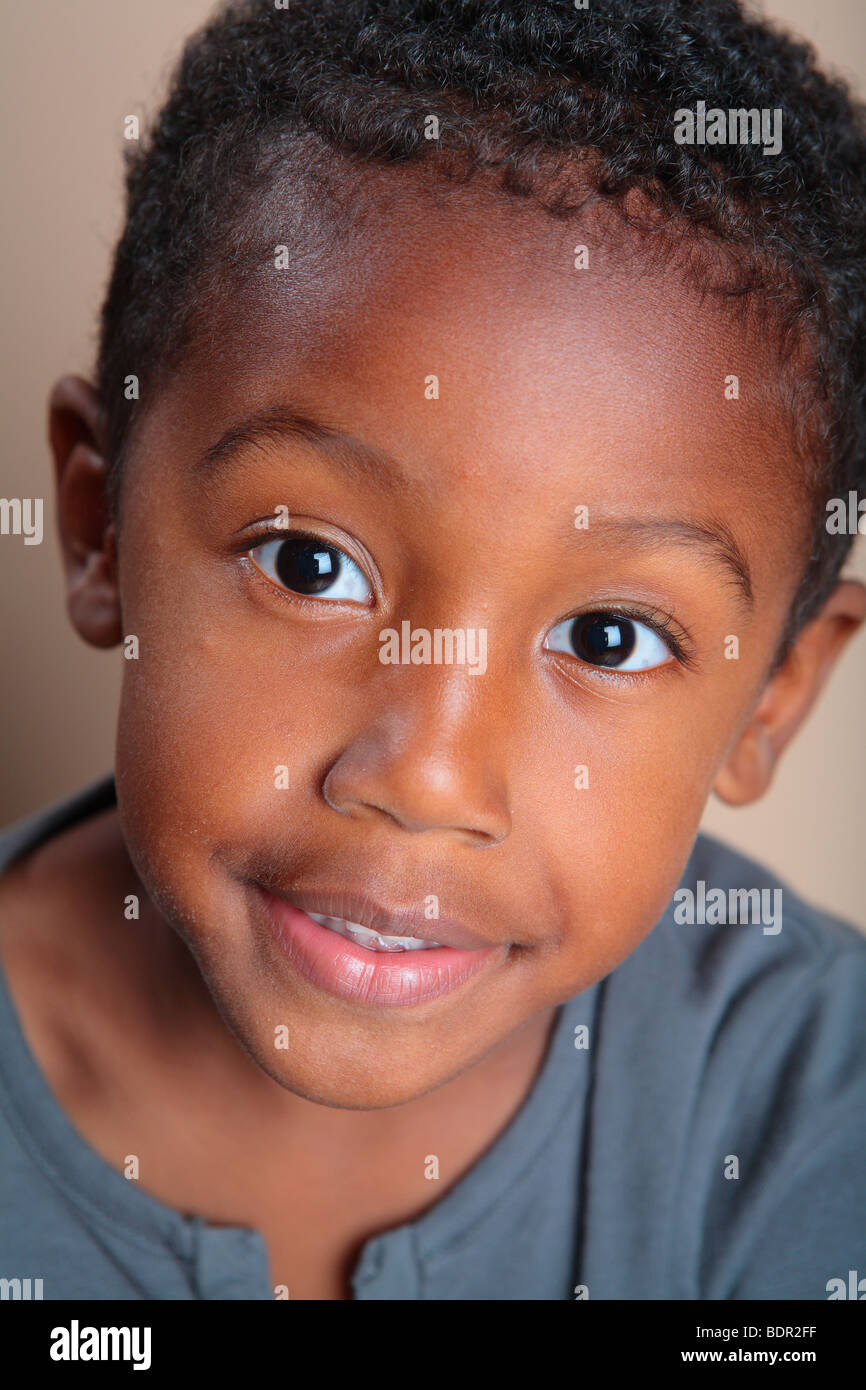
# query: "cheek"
{"type": "Point", "coordinates": [623, 825]}
{"type": "Point", "coordinates": [216, 704]}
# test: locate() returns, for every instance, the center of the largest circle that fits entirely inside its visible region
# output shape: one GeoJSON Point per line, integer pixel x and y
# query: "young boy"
{"type": "Point", "coordinates": [454, 485]}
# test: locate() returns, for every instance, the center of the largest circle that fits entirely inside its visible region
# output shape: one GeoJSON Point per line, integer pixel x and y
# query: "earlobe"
{"type": "Point", "coordinates": [88, 538]}
{"type": "Point", "coordinates": [748, 771]}
{"type": "Point", "coordinates": [789, 696]}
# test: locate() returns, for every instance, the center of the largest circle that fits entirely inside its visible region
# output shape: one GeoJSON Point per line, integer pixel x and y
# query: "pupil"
{"type": "Point", "coordinates": [603, 640]}
{"type": "Point", "coordinates": [306, 566]}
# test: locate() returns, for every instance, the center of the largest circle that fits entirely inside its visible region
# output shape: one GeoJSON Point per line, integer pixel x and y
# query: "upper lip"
{"type": "Point", "coordinates": [388, 921]}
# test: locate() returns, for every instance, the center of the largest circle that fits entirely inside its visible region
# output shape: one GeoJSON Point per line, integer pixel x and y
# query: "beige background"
{"type": "Point", "coordinates": [72, 69]}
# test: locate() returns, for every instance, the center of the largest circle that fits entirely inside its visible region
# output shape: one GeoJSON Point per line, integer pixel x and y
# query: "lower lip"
{"type": "Point", "coordinates": [369, 977]}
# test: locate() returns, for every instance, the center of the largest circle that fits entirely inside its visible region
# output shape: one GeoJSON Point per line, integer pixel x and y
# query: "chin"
{"type": "Point", "coordinates": [340, 1091]}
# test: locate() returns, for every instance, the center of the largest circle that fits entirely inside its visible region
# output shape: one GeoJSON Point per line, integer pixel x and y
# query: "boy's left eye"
{"type": "Point", "coordinates": [309, 566]}
{"type": "Point", "coordinates": [612, 641]}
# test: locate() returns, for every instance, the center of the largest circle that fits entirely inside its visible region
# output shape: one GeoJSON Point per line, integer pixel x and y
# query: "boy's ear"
{"type": "Point", "coordinates": [790, 694]}
{"type": "Point", "coordinates": [88, 539]}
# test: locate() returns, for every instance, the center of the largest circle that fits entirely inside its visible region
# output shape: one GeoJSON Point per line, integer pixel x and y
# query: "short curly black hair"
{"type": "Point", "coordinates": [266, 94]}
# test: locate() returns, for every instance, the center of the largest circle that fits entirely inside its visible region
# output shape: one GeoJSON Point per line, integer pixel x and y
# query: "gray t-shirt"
{"type": "Point", "coordinates": [697, 1131]}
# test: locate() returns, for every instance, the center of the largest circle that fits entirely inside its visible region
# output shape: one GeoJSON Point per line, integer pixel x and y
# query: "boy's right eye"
{"type": "Point", "coordinates": [311, 567]}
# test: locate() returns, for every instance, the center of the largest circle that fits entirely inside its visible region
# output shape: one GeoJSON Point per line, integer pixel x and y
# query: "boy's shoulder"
{"type": "Point", "coordinates": [733, 921]}
{"type": "Point", "coordinates": [54, 867]}
{"type": "Point", "coordinates": [29, 830]}
{"type": "Point", "coordinates": [739, 957]}
{"type": "Point", "coordinates": [809, 927]}
{"type": "Point", "coordinates": [730, 1087]}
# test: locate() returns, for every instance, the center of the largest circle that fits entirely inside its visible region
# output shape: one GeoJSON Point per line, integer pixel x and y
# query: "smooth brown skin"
{"type": "Point", "coordinates": [557, 388]}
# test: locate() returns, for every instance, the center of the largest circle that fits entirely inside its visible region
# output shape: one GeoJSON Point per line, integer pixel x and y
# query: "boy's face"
{"type": "Point", "coordinates": [547, 803]}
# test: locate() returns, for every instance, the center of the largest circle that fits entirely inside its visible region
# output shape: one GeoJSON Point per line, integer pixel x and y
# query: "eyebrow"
{"type": "Point", "coordinates": [357, 459]}
{"type": "Point", "coordinates": [351, 455]}
{"type": "Point", "coordinates": [713, 537]}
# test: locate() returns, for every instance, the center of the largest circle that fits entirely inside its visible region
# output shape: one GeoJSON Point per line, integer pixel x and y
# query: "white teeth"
{"type": "Point", "coordinates": [372, 940]}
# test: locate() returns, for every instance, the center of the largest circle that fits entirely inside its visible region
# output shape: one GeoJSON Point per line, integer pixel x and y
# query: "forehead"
{"type": "Point", "coordinates": [453, 329]}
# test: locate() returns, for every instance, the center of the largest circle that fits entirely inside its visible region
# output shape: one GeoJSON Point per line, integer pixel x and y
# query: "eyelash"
{"type": "Point", "coordinates": [677, 639]}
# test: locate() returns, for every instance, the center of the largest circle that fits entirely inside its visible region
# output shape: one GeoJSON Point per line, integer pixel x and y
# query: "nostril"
{"type": "Point", "coordinates": [478, 836]}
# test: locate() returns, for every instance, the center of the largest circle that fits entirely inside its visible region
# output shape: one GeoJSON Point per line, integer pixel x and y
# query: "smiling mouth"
{"type": "Point", "coordinates": [372, 940]}
{"type": "Point", "coordinates": [367, 964]}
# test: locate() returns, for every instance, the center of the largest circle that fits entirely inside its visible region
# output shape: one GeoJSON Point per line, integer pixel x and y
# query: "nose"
{"type": "Point", "coordinates": [431, 757]}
